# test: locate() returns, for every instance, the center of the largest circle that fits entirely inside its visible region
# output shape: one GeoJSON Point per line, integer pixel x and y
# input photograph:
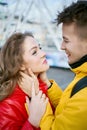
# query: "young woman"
{"type": "Point", "coordinates": [19, 55]}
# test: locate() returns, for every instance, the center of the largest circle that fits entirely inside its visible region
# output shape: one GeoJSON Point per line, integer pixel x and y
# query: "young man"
{"type": "Point", "coordinates": [70, 111]}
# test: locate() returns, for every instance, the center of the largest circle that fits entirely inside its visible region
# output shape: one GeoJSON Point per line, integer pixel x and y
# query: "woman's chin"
{"type": "Point", "coordinates": [47, 67]}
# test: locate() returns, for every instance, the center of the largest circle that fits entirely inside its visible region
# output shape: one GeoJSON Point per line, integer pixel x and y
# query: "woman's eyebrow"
{"type": "Point", "coordinates": [33, 48]}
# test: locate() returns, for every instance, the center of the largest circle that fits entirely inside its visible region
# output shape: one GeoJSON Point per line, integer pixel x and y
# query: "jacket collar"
{"type": "Point", "coordinates": [78, 63]}
{"type": "Point", "coordinates": [80, 66]}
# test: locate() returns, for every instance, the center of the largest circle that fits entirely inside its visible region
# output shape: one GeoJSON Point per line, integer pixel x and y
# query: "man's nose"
{"type": "Point", "coordinates": [62, 46]}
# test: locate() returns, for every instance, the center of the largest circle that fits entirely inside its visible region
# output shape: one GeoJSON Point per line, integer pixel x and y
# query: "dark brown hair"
{"type": "Point", "coordinates": [10, 63]}
{"type": "Point", "coordinates": [75, 13]}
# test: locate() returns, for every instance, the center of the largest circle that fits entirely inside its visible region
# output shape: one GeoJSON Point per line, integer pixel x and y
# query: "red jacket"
{"type": "Point", "coordinates": [13, 115]}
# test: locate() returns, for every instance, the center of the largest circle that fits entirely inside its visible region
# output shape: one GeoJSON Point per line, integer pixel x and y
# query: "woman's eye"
{"type": "Point", "coordinates": [34, 52]}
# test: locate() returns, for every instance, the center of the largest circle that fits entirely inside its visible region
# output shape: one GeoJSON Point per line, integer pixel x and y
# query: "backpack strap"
{"type": "Point", "coordinates": [82, 83]}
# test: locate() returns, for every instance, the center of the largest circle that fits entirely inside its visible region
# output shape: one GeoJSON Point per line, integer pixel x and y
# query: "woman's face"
{"type": "Point", "coordinates": [33, 56]}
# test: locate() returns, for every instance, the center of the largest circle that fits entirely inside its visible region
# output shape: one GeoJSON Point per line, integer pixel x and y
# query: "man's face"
{"type": "Point", "coordinates": [74, 46]}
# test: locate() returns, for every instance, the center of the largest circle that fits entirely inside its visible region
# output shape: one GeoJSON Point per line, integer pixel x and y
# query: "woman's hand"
{"type": "Point", "coordinates": [27, 81]}
{"type": "Point", "coordinates": [36, 107]}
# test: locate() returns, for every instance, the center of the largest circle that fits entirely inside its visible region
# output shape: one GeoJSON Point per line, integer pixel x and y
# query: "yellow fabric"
{"type": "Point", "coordinates": [26, 106]}
{"type": "Point", "coordinates": [49, 114]}
{"type": "Point", "coordinates": [70, 113]}
{"type": "Point", "coordinates": [56, 93]}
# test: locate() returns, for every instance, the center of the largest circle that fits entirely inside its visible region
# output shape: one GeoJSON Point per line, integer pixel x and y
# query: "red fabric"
{"type": "Point", "coordinates": [42, 86]}
{"type": "Point", "coordinates": [28, 126]}
{"type": "Point", "coordinates": [13, 115]}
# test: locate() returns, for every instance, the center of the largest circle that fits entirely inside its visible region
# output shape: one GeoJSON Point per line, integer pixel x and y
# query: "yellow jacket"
{"type": "Point", "coordinates": [70, 113]}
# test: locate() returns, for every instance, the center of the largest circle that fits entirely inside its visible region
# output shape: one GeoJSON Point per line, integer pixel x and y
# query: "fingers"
{"type": "Point", "coordinates": [28, 73]}
{"type": "Point", "coordinates": [23, 74]}
{"type": "Point", "coordinates": [33, 90]}
{"type": "Point", "coordinates": [40, 94]}
{"type": "Point", "coordinates": [43, 96]}
{"type": "Point", "coordinates": [46, 101]}
{"type": "Point", "coordinates": [31, 73]}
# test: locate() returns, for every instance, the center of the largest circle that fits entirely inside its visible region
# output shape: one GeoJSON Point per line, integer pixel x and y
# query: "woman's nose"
{"type": "Point", "coordinates": [43, 53]}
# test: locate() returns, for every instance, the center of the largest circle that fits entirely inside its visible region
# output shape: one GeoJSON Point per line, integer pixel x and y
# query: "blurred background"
{"type": "Point", "coordinates": [38, 17]}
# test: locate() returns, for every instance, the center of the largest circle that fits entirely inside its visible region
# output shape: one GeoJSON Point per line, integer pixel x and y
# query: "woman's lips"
{"type": "Point", "coordinates": [45, 61]}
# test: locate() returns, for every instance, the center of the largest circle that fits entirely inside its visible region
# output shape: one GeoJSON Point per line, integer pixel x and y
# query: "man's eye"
{"type": "Point", "coordinates": [66, 41]}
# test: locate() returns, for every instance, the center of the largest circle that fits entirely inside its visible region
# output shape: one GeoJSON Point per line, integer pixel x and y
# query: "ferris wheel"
{"type": "Point", "coordinates": [37, 16]}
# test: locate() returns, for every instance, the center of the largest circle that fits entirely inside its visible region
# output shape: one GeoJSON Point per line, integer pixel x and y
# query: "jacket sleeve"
{"type": "Point", "coordinates": [73, 116]}
{"type": "Point", "coordinates": [54, 93]}
{"type": "Point", "coordinates": [12, 119]}
{"type": "Point", "coordinates": [27, 126]}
